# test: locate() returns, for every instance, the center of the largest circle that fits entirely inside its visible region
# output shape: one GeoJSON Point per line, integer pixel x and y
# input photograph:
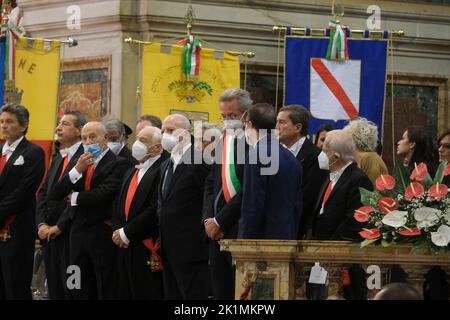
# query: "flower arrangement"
{"type": "Point", "coordinates": [407, 208]}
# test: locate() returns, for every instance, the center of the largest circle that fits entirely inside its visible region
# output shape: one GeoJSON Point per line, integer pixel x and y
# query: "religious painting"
{"type": "Point", "coordinates": [85, 85]}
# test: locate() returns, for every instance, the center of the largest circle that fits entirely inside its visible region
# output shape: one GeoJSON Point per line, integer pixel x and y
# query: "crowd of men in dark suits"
{"type": "Point", "coordinates": [145, 223]}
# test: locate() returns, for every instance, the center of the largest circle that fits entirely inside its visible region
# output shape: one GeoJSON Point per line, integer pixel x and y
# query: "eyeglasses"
{"type": "Point", "coordinates": [445, 146]}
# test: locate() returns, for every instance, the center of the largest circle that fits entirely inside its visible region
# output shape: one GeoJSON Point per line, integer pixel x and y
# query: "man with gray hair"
{"type": "Point", "coordinates": [116, 139]}
{"type": "Point", "coordinates": [223, 196]}
{"type": "Point", "coordinates": [340, 196]}
{"type": "Point", "coordinates": [135, 221]}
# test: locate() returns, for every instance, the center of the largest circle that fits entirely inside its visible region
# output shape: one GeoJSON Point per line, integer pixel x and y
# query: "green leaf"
{"type": "Point", "coordinates": [427, 182]}
{"type": "Point", "coordinates": [385, 243]}
{"type": "Point", "coordinates": [402, 178]}
{"type": "Point", "coordinates": [367, 197]}
{"type": "Point", "coordinates": [439, 176]}
{"type": "Point", "coordinates": [366, 242]}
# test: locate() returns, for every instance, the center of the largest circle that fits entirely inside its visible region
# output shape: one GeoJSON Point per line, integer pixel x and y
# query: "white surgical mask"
{"type": "Point", "coordinates": [139, 150]}
{"type": "Point", "coordinates": [248, 138]}
{"type": "Point", "coordinates": [168, 142]}
{"type": "Point", "coordinates": [324, 162]}
{"type": "Point", "coordinates": [115, 147]}
{"type": "Point", "coordinates": [233, 124]}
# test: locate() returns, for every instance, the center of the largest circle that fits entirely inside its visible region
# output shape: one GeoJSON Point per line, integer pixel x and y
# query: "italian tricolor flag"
{"type": "Point", "coordinates": [191, 55]}
{"type": "Point", "coordinates": [230, 183]}
{"type": "Point", "coordinates": [337, 46]}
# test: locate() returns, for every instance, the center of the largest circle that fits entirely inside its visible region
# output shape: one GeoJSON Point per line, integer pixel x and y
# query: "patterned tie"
{"type": "Point", "coordinates": [64, 166]}
{"type": "Point", "coordinates": [327, 193]}
{"type": "Point", "coordinates": [130, 193]}
{"type": "Point", "coordinates": [89, 174]}
{"type": "Point", "coordinates": [2, 163]}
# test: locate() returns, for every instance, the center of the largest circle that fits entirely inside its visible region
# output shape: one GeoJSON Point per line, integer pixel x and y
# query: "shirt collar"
{"type": "Point", "coordinates": [70, 151]}
{"type": "Point", "coordinates": [295, 148]}
{"type": "Point", "coordinates": [100, 157]}
{"type": "Point", "coordinates": [177, 156]}
{"type": "Point", "coordinates": [148, 163]}
{"type": "Point", "coordinates": [335, 175]}
{"type": "Point", "coordinates": [11, 148]}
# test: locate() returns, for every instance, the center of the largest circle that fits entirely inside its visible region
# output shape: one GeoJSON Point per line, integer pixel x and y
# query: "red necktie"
{"type": "Point", "coordinates": [327, 193]}
{"type": "Point", "coordinates": [130, 193]}
{"type": "Point", "coordinates": [89, 174]}
{"type": "Point", "coordinates": [2, 163]}
{"type": "Point", "coordinates": [64, 166]}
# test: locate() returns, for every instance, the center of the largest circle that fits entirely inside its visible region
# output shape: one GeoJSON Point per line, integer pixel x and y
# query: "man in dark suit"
{"type": "Point", "coordinates": [292, 126]}
{"type": "Point", "coordinates": [339, 197]}
{"type": "Point", "coordinates": [180, 203]}
{"type": "Point", "coordinates": [272, 190]}
{"type": "Point", "coordinates": [135, 221]}
{"type": "Point", "coordinates": [92, 186]}
{"type": "Point", "coordinates": [22, 167]}
{"type": "Point", "coordinates": [49, 212]}
{"type": "Point", "coordinates": [116, 136]}
{"type": "Point", "coordinates": [221, 209]}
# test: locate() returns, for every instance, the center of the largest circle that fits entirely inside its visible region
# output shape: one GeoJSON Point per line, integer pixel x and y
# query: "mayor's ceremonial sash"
{"type": "Point", "coordinates": [230, 182]}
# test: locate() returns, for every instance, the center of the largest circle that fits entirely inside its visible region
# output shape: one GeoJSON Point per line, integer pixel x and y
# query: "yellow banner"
{"type": "Point", "coordinates": [164, 90]}
{"type": "Point", "coordinates": [37, 74]}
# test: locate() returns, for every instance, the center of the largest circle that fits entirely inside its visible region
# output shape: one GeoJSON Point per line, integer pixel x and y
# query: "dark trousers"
{"type": "Point", "coordinates": [16, 271]}
{"type": "Point", "coordinates": [56, 258]}
{"type": "Point", "coordinates": [92, 250]}
{"type": "Point", "coordinates": [185, 280]}
{"type": "Point", "coordinates": [135, 279]}
{"type": "Point", "coordinates": [222, 272]}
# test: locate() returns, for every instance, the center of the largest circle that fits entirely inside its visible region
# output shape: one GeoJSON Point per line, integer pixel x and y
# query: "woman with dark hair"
{"type": "Point", "coordinates": [416, 146]}
{"type": "Point", "coordinates": [444, 151]}
{"type": "Point", "coordinates": [321, 133]}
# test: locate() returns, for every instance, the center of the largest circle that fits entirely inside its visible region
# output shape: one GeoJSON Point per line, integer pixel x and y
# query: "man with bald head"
{"type": "Point", "coordinates": [180, 201]}
{"type": "Point", "coordinates": [340, 196]}
{"type": "Point", "coordinates": [135, 221]}
{"type": "Point", "coordinates": [91, 187]}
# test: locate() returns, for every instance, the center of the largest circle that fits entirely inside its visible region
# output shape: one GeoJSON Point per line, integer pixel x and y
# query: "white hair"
{"type": "Point", "coordinates": [185, 123]}
{"type": "Point", "coordinates": [364, 133]}
{"type": "Point", "coordinates": [242, 96]}
{"type": "Point", "coordinates": [155, 133]}
{"type": "Point", "coordinates": [341, 142]}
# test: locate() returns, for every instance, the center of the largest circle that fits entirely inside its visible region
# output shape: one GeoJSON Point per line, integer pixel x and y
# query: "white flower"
{"type": "Point", "coordinates": [441, 237]}
{"type": "Point", "coordinates": [447, 215]}
{"type": "Point", "coordinates": [395, 219]}
{"type": "Point", "coordinates": [426, 217]}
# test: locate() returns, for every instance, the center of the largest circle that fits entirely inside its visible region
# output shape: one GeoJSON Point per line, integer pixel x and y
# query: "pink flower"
{"type": "Point", "coordinates": [385, 182]}
{"type": "Point", "coordinates": [362, 214]}
{"type": "Point", "coordinates": [410, 232]}
{"type": "Point", "coordinates": [447, 170]}
{"type": "Point", "coordinates": [414, 190]}
{"type": "Point", "coordinates": [438, 191]}
{"type": "Point", "coordinates": [419, 172]}
{"type": "Point", "coordinates": [370, 234]}
{"type": "Point", "coordinates": [387, 205]}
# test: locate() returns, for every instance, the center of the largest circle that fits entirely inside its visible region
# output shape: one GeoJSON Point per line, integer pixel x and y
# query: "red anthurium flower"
{"type": "Point", "coordinates": [438, 191]}
{"type": "Point", "coordinates": [410, 232]}
{"type": "Point", "coordinates": [414, 190]}
{"type": "Point", "coordinates": [362, 214]}
{"type": "Point", "coordinates": [447, 170]}
{"type": "Point", "coordinates": [370, 234]}
{"type": "Point", "coordinates": [387, 205]}
{"type": "Point", "coordinates": [384, 182]}
{"type": "Point", "coordinates": [419, 172]}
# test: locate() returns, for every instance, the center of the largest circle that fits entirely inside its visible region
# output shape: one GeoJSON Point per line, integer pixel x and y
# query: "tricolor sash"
{"type": "Point", "coordinates": [230, 182]}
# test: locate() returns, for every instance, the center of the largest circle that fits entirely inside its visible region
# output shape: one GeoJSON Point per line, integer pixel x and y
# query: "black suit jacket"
{"type": "Point", "coordinates": [142, 218]}
{"type": "Point", "coordinates": [18, 186]}
{"type": "Point", "coordinates": [126, 154]}
{"type": "Point", "coordinates": [313, 179]}
{"type": "Point", "coordinates": [337, 221]}
{"type": "Point", "coordinates": [94, 205]}
{"type": "Point", "coordinates": [50, 211]}
{"type": "Point", "coordinates": [180, 212]}
{"type": "Point", "coordinates": [226, 214]}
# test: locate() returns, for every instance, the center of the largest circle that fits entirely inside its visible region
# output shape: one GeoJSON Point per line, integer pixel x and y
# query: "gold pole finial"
{"type": "Point", "coordinates": [337, 10]}
{"type": "Point", "coordinates": [189, 19]}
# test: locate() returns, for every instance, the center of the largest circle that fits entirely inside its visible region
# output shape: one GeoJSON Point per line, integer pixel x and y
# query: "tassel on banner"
{"type": "Point", "coordinates": [337, 45]}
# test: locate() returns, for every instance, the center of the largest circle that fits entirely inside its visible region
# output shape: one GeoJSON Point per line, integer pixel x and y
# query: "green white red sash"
{"type": "Point", "coordinates": [191, 55]}
{"type": "Point", "coordinates": [337, 46]}
{"type": "Point", "coordinates": [230, 183]}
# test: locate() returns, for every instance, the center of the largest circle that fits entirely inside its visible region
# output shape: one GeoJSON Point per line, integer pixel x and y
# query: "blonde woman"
{"type": "Point", "coordinates": [364, 133]}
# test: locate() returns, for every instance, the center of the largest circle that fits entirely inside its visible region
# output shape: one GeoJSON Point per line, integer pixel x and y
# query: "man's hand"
{"type": "Point", "coordinates": [53, 232]}
{"type": "Point", "coordinates": [84, 161]}
{"type": "Point", "coordinates": [212, 229]}
{"type": "Point", "coordinates": [118, 240]}
{"type": "Point", "coordinates": [43, 231]}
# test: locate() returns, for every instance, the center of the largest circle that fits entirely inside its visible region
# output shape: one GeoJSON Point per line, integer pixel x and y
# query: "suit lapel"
{"type": "Point", "coordinates": [101, 165]}
{"type": "Point", "coordinates": [341, 181]}
{"type": "Point", "coordinates": [15, 155]}
{"type": "Point", "coordinates": [52, 175]}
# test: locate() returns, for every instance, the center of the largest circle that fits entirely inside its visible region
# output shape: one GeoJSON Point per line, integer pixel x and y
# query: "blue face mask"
{"type": "Point", "coordinates": [94, 149]}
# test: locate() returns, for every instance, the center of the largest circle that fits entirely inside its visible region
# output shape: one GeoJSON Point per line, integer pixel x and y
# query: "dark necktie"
{"type": "Point", "coordinates": [168, 178]}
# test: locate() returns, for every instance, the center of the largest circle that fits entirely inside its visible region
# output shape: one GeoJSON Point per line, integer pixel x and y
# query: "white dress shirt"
{"type": "Point", "coordinates": [142, 170]}
{"type": "Point", "coordinates": [334, 178]}
{"type": "Point", "coordinates": [295, 148]}
{"type": "Point", "coordinates": [9, 149]}
{"type": "Point", "coordinates": [70, 151]}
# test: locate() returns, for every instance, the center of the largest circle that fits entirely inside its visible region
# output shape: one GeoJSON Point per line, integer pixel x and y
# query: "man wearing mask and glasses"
{"type": "Point", "coordinates": [135, 221]}
{"type": "Point", "coordinates": [116, 134]}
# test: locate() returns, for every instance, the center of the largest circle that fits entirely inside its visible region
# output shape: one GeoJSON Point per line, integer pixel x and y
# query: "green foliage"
{"type": "Point", "coordinates": [402, 178]}
{"type": "Point", "coordinates": [439, 176]}
{"type": "Point", "coordinates": [368, 198]}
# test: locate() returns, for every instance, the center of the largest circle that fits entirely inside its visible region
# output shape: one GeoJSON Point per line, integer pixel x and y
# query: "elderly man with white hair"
{"type": "Point", "coordinates": [135, 221]}
{"type": "Point", "coordinates": [180, 203]}
{"type": "Point", "coordinates": [340, 196]}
